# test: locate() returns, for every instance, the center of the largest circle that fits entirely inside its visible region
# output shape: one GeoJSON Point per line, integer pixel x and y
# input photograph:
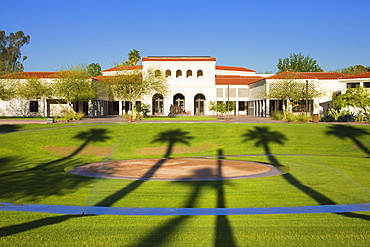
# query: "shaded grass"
{"type": "Point", "coordinates": [334, 168]}
{"type": "Point", "coordinates": [184, 118]}
{"type": "Point", "coordinates": [35, 229]}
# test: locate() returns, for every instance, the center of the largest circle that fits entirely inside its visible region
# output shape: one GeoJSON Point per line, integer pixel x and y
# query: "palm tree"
{"type": "Point", "coordinates": [134, 57]}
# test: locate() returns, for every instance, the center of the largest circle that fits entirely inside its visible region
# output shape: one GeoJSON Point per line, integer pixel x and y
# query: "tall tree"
{"type": "Point", "coordinates": [134, 86]}
{"type": "Point", "coordinates": [74, 85]}
{"type": "Point", "coordinates": [355, 69]}
{"type": "Point", "coordinates": [291, 90]}
{"type": "Point", "coordinates": [298, 63]}
{"type": "Point", "coordinates": [7, 89]}
{"type": "Point", "coordinates": [358, 97]}
{"type": "Point", "coordinates": [134, 57]}
{"type": "Point", "coordinates": [34, 89]}
{"type": "Point", "coordinates": [93, 69]}
{"type": "Point", "coordinates": [11, 59]}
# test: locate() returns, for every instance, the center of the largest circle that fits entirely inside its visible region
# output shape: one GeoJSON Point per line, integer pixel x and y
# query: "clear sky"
{"type": "Point", "coordinates": [243, 33]}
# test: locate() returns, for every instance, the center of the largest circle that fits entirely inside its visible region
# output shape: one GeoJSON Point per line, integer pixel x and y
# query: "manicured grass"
{"type": "Point", "coordinates": [184, 118]}
{"type": "Point", "coordinates": [332, 168]}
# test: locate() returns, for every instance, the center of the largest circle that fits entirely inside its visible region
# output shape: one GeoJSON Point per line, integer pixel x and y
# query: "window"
{"type": "Point", "coordinates": [178, 73]}
{"type": "Point", "coordinates": [243, 92]}
{"type": "Point", "coordinates": [199, 73]}
{"type": "Point", "coordinates": [219, 92]}
{"type": "Point", "coordinates": [157, 73]}
{"type": "Point", "coordinates": [241, 105]}
{"type": "Point", "coordinates": [366, 84]}
{"type": "Point", "coordinates": [230, 93]}
{"type": "Point", "coordinates": [168, 73]}
{"type": "Point", "coordinates": [34, 106]}
{"type": "Point", "coordinates": [353, 85]}
{"type": "Point", "coordinates": [301, 106]}
{"type": "Point", "coordinates": [189, 73]}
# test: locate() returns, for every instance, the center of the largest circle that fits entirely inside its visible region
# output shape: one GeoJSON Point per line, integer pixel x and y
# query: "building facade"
{"type": "Point", "coordinates": [194, 81]}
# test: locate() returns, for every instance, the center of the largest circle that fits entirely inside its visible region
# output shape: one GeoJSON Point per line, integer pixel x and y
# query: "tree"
{"type": "Point", "coordinates": [133, 58]}
{"type": "Point", "coordinates": [358, 97]}
{"type": "Point", "coordinates": [298, 63]}
{"type": "Point", "coordinates": [93, 69]}
{"type": "Point", "coordinates": [291, 90]}
{"type": "Point", "coordinates": [221, 106]}
{"type": "Point", "coordinates": [134, 86]}
{"type": "Point", "coordinates": [355, 69]}
{"type": "Point", "coordinates": [73, 85]}
{"type": "Point", "coordinates": [7, 90]}
{"type": "Point", "coordinates": [34, 89]}
{"type": "Point", "coordinates": [11, 59]}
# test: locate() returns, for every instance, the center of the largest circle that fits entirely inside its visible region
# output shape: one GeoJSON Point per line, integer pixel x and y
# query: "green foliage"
{"type": "Point", "coordinates": [93, 69]}
{"type": "Point", "coordinates": [143, 109]}
{"type": "Point", "coordinates": [292, 90]}
{"type": "Point", "coordinates": [11, 59]}
{"type": "Point", "coordinates": [222, 106]}
{"type": "Point", "coordinates": [133, 57]}
{"type": "Point", "coordinates": [34, 88]}
{"type": "Point", "coordinates": [358, 97]}
{"type": "Point", "coordinates": [298, 63]}
{"type": "Point", "coordinates": [355, 69]}
{"type": "Point", "coordinates": [135, 85]}
{"type": "Point", "coordinates": [277, 115]}
{"type": "Point", "coordinates": [7, 90]}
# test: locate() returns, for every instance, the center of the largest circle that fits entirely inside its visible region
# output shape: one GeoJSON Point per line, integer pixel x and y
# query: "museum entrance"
{"type": "Point", "coordinates": [179, 100]}
{"type": "Point", "coordinates": [199, 103]}
{"type": "Point", "coordinates": [157, 103]}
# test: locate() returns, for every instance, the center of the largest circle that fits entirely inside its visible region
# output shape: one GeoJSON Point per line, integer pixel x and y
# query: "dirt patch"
{"type": "Point", "coordinates": [175, 169]}
{"type": "Point", "coordinates": [88, 150]}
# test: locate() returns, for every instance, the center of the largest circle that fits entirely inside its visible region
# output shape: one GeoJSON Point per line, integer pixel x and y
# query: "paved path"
{"type": "Point", "coordinates": [91, 210]}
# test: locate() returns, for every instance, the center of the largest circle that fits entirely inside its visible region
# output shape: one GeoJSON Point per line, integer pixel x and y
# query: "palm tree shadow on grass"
{"type": "Point", "coordinates": [263, 137]}
{"type": "Point", "coordinates": [350, 132]}
{"type": "Point", "coordinates": [223, 232]}
{"type": "Point", "coordinates": [171, 137]}
{"type": "Point", "coordinates": [47, 179]}
{"type": "Point", "coordinates": [51, 180]}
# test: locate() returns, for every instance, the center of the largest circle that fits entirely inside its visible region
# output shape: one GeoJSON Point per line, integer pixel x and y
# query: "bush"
{"type": "Point", "coordinates": [303, 118]}
{"type": "Point", "coordinates": [277, 115]}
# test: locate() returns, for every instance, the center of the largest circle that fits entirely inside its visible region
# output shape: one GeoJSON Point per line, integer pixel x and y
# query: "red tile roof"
{"type": "Point", "coordinates": [119, 68]}
{"type": "Point", "coordinates": [233, 68]}
{"type": "Point", "coordinates": [25, 75]}
{"type": "Point", "coordinates": [308, 75]}
{"type": "Point", "coordinates": [179, 58]}
{"type": "Point", "coordinates": [361, 75]}
{"type": "Point", "coordinates": [236, 80]}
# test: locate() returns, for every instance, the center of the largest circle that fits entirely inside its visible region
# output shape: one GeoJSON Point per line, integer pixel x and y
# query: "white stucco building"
{"type": "Point", "coordinates": [193, 82]}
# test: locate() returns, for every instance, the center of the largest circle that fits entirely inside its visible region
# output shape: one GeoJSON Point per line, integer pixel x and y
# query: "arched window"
{"type": "Point", "coordinates": [157, 104]}
{"type": "Point", "coordinates": [178, 73]}
{"type": "Point", "coordinates": [200, 73]}
{"type": "Point", "coordinates": [179, 100]}
{"type": "Point", "coordinates": [157, 73]}
{"type": "Point", "coordinates": [199, 104]}
{"type": "Point", "coordinates": [189, 73]}
{"type": "Point", "coordinates": [168, 73]}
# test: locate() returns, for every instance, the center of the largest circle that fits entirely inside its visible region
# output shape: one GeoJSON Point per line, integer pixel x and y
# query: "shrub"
{"type": "Point", "coordinates": [277, 115]}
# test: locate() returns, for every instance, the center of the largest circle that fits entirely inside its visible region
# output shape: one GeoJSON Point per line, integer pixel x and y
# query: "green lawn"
{"type": "Point", "coordinates": [322, 164]}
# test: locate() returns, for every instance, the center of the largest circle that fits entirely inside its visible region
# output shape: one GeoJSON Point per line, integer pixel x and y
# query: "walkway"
{"type": "Point", "coordinates": [91, 210]}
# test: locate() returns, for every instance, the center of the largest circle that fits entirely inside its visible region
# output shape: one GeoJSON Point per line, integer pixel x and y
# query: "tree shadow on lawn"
{"type": "Point", "coordinates": [171, 137]}
{"type": "Point", "coordinates": [263, 137]}
{"type": "Point", "coordinates": [350, 132]}
{"type": "Point", "coordinates": [48, 179]}
{"type": "Point", "coordinates": [8, 128]}
{"type": "Point", "coordinates": [223, 231]}
{"type": "Point", "coordinates": [23, 227]}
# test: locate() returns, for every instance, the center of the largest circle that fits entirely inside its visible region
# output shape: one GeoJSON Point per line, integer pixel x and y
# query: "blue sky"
{"type": "Point", "coordinates": [250, 34]}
